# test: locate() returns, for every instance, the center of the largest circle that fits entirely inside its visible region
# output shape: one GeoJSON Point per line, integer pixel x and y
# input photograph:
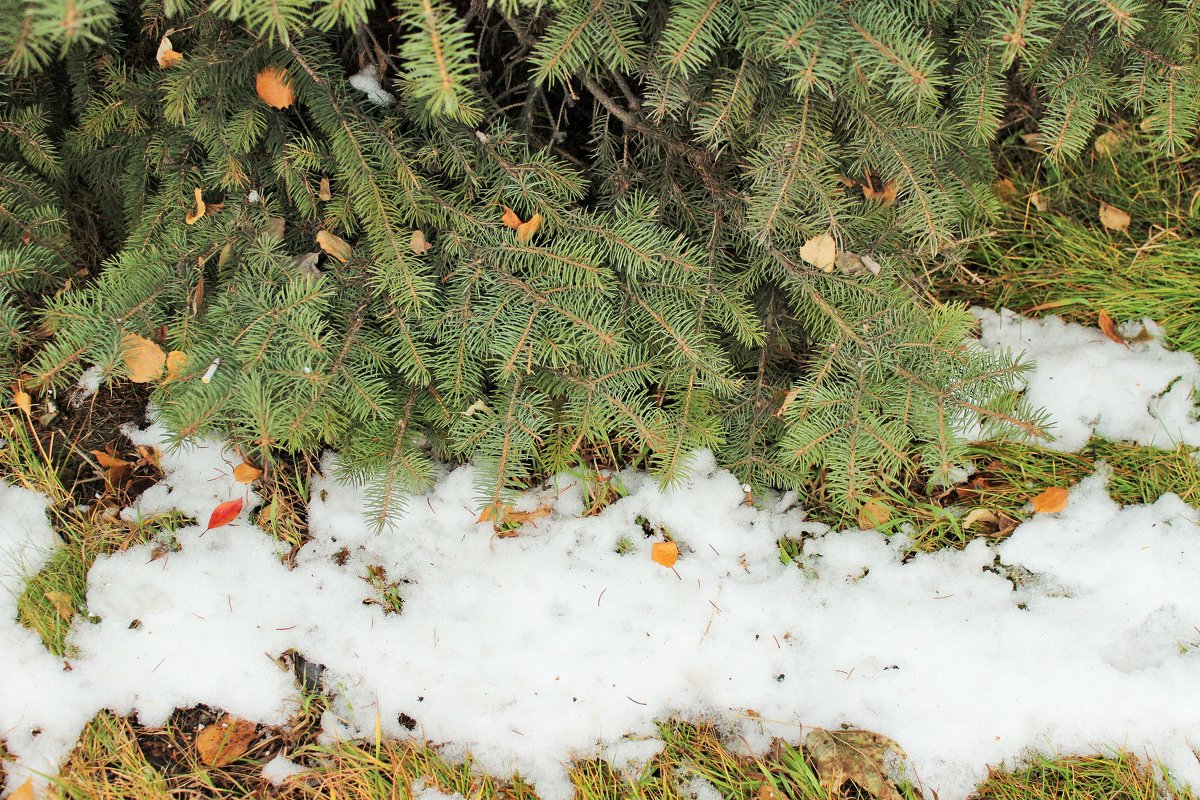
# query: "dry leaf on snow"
{"type": "Point", "coordinates": [224, 514]}
{"type": "Point", "coordinates": [665, 553]}
{"type": "Point", "coordinates": [24, 792]}
{"type": "Point", "coordinates": [335, 246]}
{"type": "Point", "coordinates": [820, 251]}
{"type": "Point", "coordinates": [1114, 218]}
{"type": "Point", "coordinates": [144, 360]}
{"type": "Point", "coordinates": [167, 56]}
{"type": "Point", "coordinates": [1052, 500]}
{"type": "Point", "coordinates": [224, 741]}
{"type": "Point", "coordinates": [192, 216]}
{"type": "Point", "coordinates": [62, 604]}
{"type": "Point", "coordinates": [1109, 328]}
{"type": "Point", "coordinates": [274, 88]}
{"type": "Point", "coordinates": [246, 473]}
{"type": "Point", "coordinates": [857, 756]}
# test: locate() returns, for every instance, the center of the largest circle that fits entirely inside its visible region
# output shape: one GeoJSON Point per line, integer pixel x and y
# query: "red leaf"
{"type": "Point", "coordinates": [224, 514]}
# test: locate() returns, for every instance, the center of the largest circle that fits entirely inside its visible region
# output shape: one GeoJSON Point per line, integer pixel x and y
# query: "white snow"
{"type": "Point", "coordinates": [89, 382]}
{"type": "Point", "coordinates": [532, 650]}
{"type": "Point", "coordinates": [280, 768]}
{"type": "Point", "coordinates": [366, 80]}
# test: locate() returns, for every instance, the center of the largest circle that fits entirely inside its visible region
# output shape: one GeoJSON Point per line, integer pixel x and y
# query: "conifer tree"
{"type": "Point", "coordinates": [533, 234]}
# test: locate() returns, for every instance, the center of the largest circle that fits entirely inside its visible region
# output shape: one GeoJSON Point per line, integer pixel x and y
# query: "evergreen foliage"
{"type": "Point", "coordinates": [680, 155]}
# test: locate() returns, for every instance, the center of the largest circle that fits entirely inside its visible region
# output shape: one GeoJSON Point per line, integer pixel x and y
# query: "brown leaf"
{"type": "Point", "coordinates": [1109, 328]}
{"type": "Point", "coordinates": [246, 473]}
{"type": "Point", "coordinates": [1039, 202]}
{"type": "Point", "coordinates": [108, 460]}
{"type": "Point", "coordinates": [144, 360]}
{"type": "Point", "coordinates": [274, 88]}
{"type": "Point", "coordinates": [167, 56]}
{"type": "Point", "coordinates": [334, 245]}
{"type": "Point", "coordinates": [1050, 501]}
{"type": "Point", "coordinates": [510, 218]}
{"type": "Point", "coordinates": [855, 756]}
{"type": "Point", "coordinates": [149, 454]}
{"type": "Point", "coordinates": [23, 401]}
{"type": "Point", "coordinates": [885, 195]}
{"type": "Point", "coordinates": [307, 263]}
{"type": "Point", "coordinates": [526, 230]}
{"type": "Point", "coordinates": [192, 216]}
{"type": "Point", "coordinates": [502, 514]}
{"type": "Point", "coordinates": [788, 399]}
{"type": "Point", "coordinates": [1108, 143]}
{"type": "Point", "coordinates": [665, 553]}
{"type": "Point", "coordinates": [820, 251]}
{"type": "Point", "coordinates": [177, 362]}
{"type": "Point", "coordinates": [62, 604]}
{"type": "Point", "coordinates": [1005, 190]}
{"type": "Point", "coordinates": [324, 192]}
{"type": "Point", "coordinates": [224, 741]}
{"type": "Point", "coordinates": [275, 227]}
{"type": "Point", "coordinates": [875, 512]}
{"type": "Point", "coordinates": [418, 243]}
{"type": "Point", "coordinates": [1114, 218]}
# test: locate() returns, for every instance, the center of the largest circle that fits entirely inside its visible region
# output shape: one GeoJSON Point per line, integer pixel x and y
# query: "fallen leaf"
{"type": "Point", "coordinates": [820, 251]}
{"type": "Point", "coordinates": [177, 362]}
{"type": "Point", "coordinates": [167, 56]}
{"type": "Point", "coordinates": [1052, 500]}
{"type": "Point", "coordinates": [526, 230]}
{"type": "Point", "coordinates": [665, 553]}
{"type": "Point", "coordinates": [979, 515]}
{"type": "Point", "coordinates": [1109, 328]}
{"type": "Point", "coordinates": [62, 604]}
{"type": "Point", "coordinates": [323, 192]}
{"type": "Point", "coordinates": [885, 195]}
{"type": "Point", "coordinates": [246, 473]}
{"type": "Point", "coordinates": [871, 264]}
{"type": "Point", "coordinates": [149, 454]}
{"type": "Point", "coordinates": [191, 217]}
{"type": "Point", "coordinates": [478, 405]}
{"type": "Point", "coordinates": [1114, 218]}
{"type": "Point", "coordinates": [766, 792]}
{"type": "Point", "coordinates": [788, 399]}
{"type": "Point", "coordinates": [334, 245]}
{"type": "Point", "coordinates": [510, 218]}
{"type": "Point", "coordinates": [307, 263]}
{"type": "Point", "coordinates": [23, 401]}
{"type": "Point", "coordinates": [855, 756]}
{"type": "Point", "coordinates": [1039, 202]}
{"type": "Point", "coordinates": [108, 460]}
{"type": "Point", "coordinates": [224, 514]}
{"type": "Point", "coordinates": [874, 512]}
{"type": "Point", "coordinates": [274, 88]}
{"type": "Point", "coordinates": [1005, 190]}
{"type": "Point", "coordinates": [24, 792]}
{"type": "Point", "coordinates": [275, 227]}
{"type": "Point", "coordinates": [521, 517]}
{"type": "Point", "coordinates": [503, 514]}
{"type": "Point", "coordinates": [224, 741]}
{"type": "Point", "coordinates": [1033, 139]}
{"type": "Point", "coordinates": [494, 512]}
{"type": "Point", "coordinates": [1108, 143]}
{"type": "Point", "coordinates": [212, 208]}
{"type": "Point", "coordinates": [418, 243]}
{"type": "Point", "coordinates": [144, 360]}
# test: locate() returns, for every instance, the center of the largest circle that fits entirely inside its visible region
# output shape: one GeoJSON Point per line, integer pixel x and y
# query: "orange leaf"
{"type": "Point", "coordinates": [1114, 218]}
{"type": "Point", "coordinates": [224, 514]}
{"type": "Point", "coordinates": [510, 218]}
{"type": "Point", "coordinates": [274, 88]}
{"type": "Point", "coordinates": [521, 517]}
{"type": "Point", "coordinates": [875, 512]}
{"type": "Point", "coordinates": [494, 512]}
{"type": "Point", "coordinates": [886, 195]}
{"type": "Point", "coordinates": [144, 360]}
{"type": "Point", "coordinates": [246, 473]}
{"type": "Point", "coordinates": [323, 192]}
{"type": "Point", "coordinates": [191, 217]}
{"type": "Point", "coordinates": [1052, 500]}
{"type": "Point", "coordinates": [665, 553]}
{"type": "Point", "coordinates": [527, 229]}
{"type": "Point", "coordinates": [224, 741]}
{"type": "Point", "coordinates": [167, 56]}
{"type": "Point", "coordinates": [177, 362]}
{"type": "Point", "coordinates": [335, 246]}
{"type": "Point", "coordinates": [24, 792]}
{"type": "Point", "coordinates": [23, 401]}
{"type": "Point", "coordinates": [108, 460]}
{"type": "Point", "coordinates": [1109, 328]}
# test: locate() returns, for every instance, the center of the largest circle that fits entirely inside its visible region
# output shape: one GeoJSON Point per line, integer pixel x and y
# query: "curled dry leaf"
{"type": "Point", "coordinates": [980, 515]}
{"type": "Point", "coordinates": [665, 553]}
{"type": "Point", "coordinates": [144, 360]}
{"type": "Point", "coordinates": [335, 246]}
{"type": "Point", "coordinates": [526, 230]}
{"type": "Point", "coordinates": [274, 88]}
{"type": "Point", "coordinates": [246, 473]}
{"type": "Point", "coordinates": [1109, 328]}
{"type": "Point", "coordinates": [875, 512]}
{"type": "Point", "coordinates": [23, 401]}
{"type": "Point", "coordinates": [510, 218]}
{"type": "Point", "coordinates": [788, 399]}
{"type": "Point", "coordinates": [224, 741]}
{"type": "Point", "coordinates": [418, 243]}
{"type": "Point", "coordinates": [192, 216]}
{"type": "Point", "coordinates": [224, 514]}
{"type": "Point", "coordinates": [323, 192]}
{"type": "Point", "coordinates": [1050, 501]}
{"type": "Point", "coordinates": [61, 601]}
{"type": "Point", "coordinates": [1114, 218]}
{"type": "Point", "coordinates": [820, 251]}
{"type": "Point", "coordinates": [167, 56]}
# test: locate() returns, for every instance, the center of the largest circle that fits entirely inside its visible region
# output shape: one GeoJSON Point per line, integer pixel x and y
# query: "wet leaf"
{"type": "Point", "coordinates": [335, 246]}
{"type": "Point", "coordinates": [1114, 218]}
{"type": "Point", "coordinates": [1050, 501]}
{"type": "Point", "coordinates": [61, 601]}
{"type": "Point", "coordinates": [144, 360]}
{"type": "Point", "coordinates": [224, 514]}
{"type": "Point", "coordinates": [246, 473]}
{"type": "Point", "coordinates": [418, 243]}
{"type": "Point", "coordinates": [820, 251]}
{"type": "Point", "coordinates": [274, 88]}
{"type": "Point", "coordinates": [224, 741]}
{"type": "Point", "coordinates": [192, 216]}
{"type": "Point", "coordinates": [526, 230]}
{"type": "Point", "coordinates": [855, 756]}
{"type": "Point", "coordinates": [1109, 328]}
{"type": "Point", "coordinates": [665, 553]}
{"type": "Point", "coordinates": [167, 56]}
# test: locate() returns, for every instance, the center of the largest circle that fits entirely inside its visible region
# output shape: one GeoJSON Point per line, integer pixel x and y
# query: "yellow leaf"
{"type": "Point", "coordinates": [144, 360]}
{"type": "Point", "coordinates": [1052, 500]}
{"type": "Point", "coordinates": [24, 792]}
{"type": "Point", "coordinates": [62, 604]}
{"type": "Point", "coordinates": [246, 473]}
{"type": "Point", "coordinates": [177, 362]}
{"type": "Point", "coordinates": [527, 229]}
{"type": "Point", "coordinates": [979, 515]}
{"type": "Point", "coordinates": [1109, 328]}
{"type": "Point", "coordinates": [335, 246]}
{"type": "Point", "coordinates": [274, 88]}
{"type": "Point", "coordinates": [224, 741]}
{"type": "Point", "coordinates": [1114, 218]}
{"type": "Point", "coordinates": [418, 243]}
{"type": "Point", "coordinates": [191, 217]}
{"type": "Point", "coordinates": [665, 553]}
{"type": "Point", "coordinates": [167, 56]}
{"type": "Point", "coordinates": [820, 251]}
{"type": "Point", "coordinates": [875, 512]}
{"type": "Point", "coordinates": [23, 401]}
{"type": "Point", "coordinates": [324, 193]}
{"type": "Point", "coordinates": [510, 218]}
